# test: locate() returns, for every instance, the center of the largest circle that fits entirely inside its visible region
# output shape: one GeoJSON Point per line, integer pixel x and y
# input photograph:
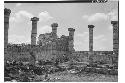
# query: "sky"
{"type": "Point", "coordinates": [67, 15]}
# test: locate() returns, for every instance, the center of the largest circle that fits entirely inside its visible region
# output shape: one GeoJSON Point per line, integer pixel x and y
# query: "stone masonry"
{"type": "Point", "coordinates": [34, 30]}
{"type": "Point", "coordinates": [71, 39]}
{"type": "Point", "coordinates": [90, 37]}
{"type": "Point", "coordinates": [54, 29]}
{"type": "Point", "coordinates": [90, 42]}
{"type": "Point", "coordinates": [6, 25]}
{"type": "Point", "coordinates": [115, 41]}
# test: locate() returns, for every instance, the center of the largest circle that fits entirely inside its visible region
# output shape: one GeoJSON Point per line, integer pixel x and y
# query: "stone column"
{"type": "Point", "coordinates": [54, 30]}
{"type": "Point", "coordinates": [90, 37]}
{"type": "Point", "coordinates": [71, 44]}
{"type": "Point", "coordinates": [33, 40]}
{"type": "Point", "coordinates": [115, 41]}
{"type": "Point", "coordinates": [90, 43]}
{"type": "Point", "coordinates": [34, 30]}
{"type": "Point", "coordinates": [71, 39]}
{"type": "Point", "coordinates": [6, 25]}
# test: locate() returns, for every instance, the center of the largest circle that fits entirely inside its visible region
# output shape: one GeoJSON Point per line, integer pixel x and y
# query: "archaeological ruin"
{"type": "Point", "coordinates": [50, 47]}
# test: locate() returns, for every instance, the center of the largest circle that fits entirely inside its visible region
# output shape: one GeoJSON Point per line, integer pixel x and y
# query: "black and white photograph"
{"type": "Point", "coordinates": [61, 41]}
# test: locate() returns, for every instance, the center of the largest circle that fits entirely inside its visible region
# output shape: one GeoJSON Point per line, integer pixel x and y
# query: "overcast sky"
{"type": "Point", "coordinates": [67, 15]}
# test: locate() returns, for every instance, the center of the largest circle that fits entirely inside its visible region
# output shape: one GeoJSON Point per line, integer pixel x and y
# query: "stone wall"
{"type": "Point", "coordinates": [103, 56]}
{"type": "Point", "coordinates": [50, 52]}
{"type": "Point", "coordinates": [47, 52]}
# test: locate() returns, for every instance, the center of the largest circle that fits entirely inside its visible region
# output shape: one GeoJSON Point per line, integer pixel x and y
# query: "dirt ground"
{"type": "Point", "coordinates": [82, 77]}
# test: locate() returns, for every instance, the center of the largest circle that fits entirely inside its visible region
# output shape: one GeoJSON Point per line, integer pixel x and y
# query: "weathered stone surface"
{"type": "Point", "coordinates": [115, 38]}
{"type": "Point", "coordinates": [90, 37]}
{"type": "Point", "coordinates": [54, 30]}
{"type": "Point", "coordinates": [34, 30]}
{"type": "Point", "coordinates": [6, 25]}
{"type": "Point", "coordinates": [71, 39]}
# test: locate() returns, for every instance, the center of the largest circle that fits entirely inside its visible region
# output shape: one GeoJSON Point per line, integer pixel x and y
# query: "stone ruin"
{"type": "Point", "coordinates": [50, 47]}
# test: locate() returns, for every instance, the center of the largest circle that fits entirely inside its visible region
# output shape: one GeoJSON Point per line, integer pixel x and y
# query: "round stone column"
{"type": "Point", "coordinates": [54, 30]}
{"type": "Point", "coordinates": [90, 43]}
{"type": "Point", "coordinates": [90, 37]}
{"type": "Point", "coordinates": [6, 25]}
{"type": "Point", "coordinates": [34, 30]}
{"type": "Point", "coordinates": [115, 41]}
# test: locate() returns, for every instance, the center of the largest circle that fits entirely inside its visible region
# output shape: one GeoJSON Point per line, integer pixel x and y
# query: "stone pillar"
{"type": "Point", "coordinates": [6, 25]}
{"type": "Point", "coordinates": [71, 39]}
{"type": "Point", "coordinates": [34, 30]}
{"type": "Point", "coordinates": [33, 40]}
{"type": "Point", "coordinates": [115, 40]}
{"type": "Point", "coordinates": [90, 43]}
{"type": "Point", "coordinates": [90, 37]}
{"type": "Point", "coordinates": [54, 29]}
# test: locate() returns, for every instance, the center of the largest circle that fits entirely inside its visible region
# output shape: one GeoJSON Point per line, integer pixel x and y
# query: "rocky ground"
{"type": "Point", "coordinates": [20, 72]}
{"type": "Point", "coordinates": [82, 77]}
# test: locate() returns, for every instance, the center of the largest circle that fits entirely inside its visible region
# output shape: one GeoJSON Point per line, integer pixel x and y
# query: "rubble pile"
{"type": "Point", "coordinates": [25, 72]}
{"type": "Point", "coordinates": [22, 72]}
{"type": "Point", "coordinates": [102, 69]}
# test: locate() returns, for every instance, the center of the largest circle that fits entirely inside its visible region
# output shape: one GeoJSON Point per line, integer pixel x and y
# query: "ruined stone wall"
{"type": "Point", "coordinates": [104, 56]}
{"type": "Point", "coordinates": [53, 50]}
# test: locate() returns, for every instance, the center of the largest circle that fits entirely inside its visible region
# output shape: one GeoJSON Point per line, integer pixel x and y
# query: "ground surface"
{"type": "Point", "coordinates": [82, 77]}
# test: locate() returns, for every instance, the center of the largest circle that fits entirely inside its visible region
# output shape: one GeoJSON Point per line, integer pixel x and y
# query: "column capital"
{"type": "Point", "coordinates": [91, 26]}
{"type": "Point", "coordinates": [71, 29]}
{"type": "Point", "coordinates": [7, 11]}
{"type": "Point", "coordinates": [34, 19]}
{"type": "Point", "coordinates": [114, 22]}
{"type": "Point", "coordinates": [54, 25]}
